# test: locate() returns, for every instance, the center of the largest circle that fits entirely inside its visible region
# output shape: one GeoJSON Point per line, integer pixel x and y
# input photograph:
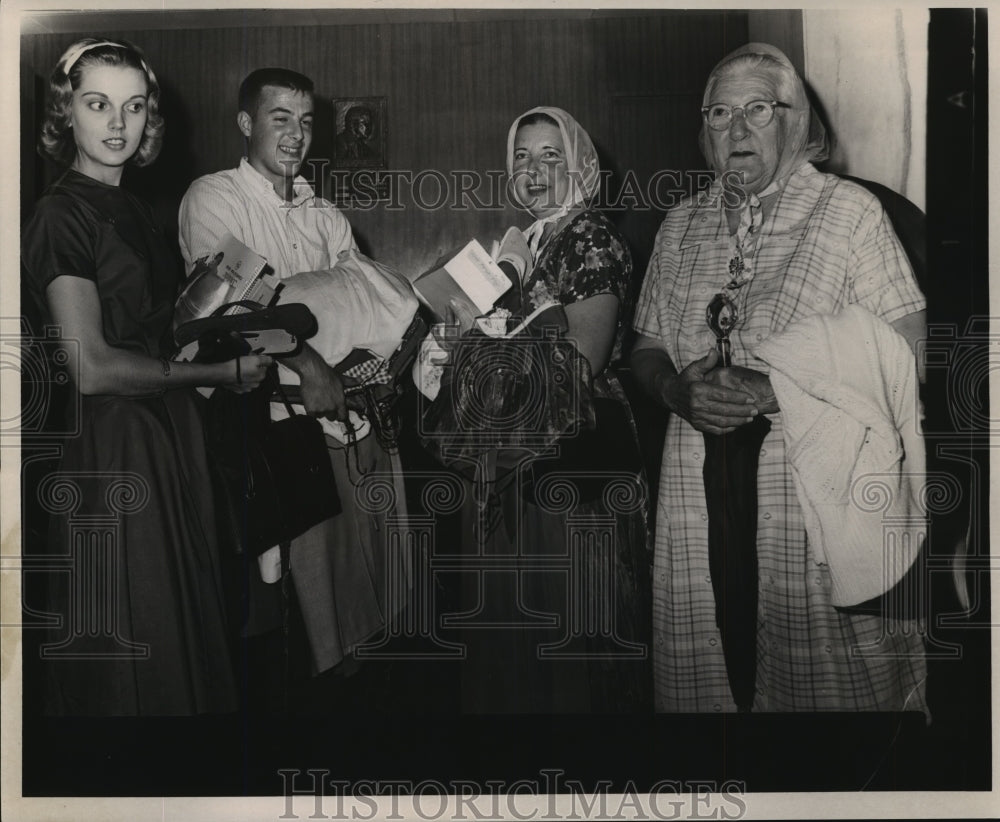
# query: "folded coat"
{"type": "Point", "coordinates": [847, 388]}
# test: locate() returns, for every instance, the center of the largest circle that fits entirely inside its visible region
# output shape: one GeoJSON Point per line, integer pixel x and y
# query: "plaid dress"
{"type": "Point", "coordinates": [825, 243]}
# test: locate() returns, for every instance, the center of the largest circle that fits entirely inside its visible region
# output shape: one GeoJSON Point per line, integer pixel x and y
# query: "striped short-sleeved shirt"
{"type": "Point", "coordinates": [824, 243]}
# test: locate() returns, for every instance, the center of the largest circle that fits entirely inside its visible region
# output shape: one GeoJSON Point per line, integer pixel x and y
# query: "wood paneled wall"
{"type": "Point", "coordinates": [781, 28]}
{"type": "Point", "coordinates": [634, 82]}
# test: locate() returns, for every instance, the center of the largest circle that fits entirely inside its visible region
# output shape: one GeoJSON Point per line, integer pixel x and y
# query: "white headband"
{"type": "Point", "coordinates": [74, 54]}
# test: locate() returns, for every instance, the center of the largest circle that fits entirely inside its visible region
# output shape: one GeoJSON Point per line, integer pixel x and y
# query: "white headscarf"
{"type": "Point", "coordinates": [582, 169]}
{"type": "Point", "coordinates": [805, 135]}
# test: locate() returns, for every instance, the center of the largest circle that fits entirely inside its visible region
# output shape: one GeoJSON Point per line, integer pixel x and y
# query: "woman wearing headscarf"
{"type": "Point", "coordinates": [772, 246]}
{"type": "Point", "coordinates": [570, 613]}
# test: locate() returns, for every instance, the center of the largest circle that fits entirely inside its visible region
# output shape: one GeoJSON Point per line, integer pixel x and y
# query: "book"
{"type": "Point", "coordinates": [469, 284]}
{"type": "Point", "coordinates": [234, 272]}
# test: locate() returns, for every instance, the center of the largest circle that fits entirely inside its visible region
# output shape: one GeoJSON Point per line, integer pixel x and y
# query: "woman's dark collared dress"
{"type": "Point", "coordinates": [131, 506]}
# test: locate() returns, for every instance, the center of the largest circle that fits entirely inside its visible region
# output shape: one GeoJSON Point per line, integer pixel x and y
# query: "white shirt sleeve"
{"type": "Point", "coordinates": [206, 216]}
{"type": "Point", "coordinates": [339, 237]}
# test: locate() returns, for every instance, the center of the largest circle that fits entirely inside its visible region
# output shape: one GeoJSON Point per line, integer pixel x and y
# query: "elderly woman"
{"type": "Point", "coordinates": [773, 242]}
{"type": "Point", "coordinates": [98, 267]}
{"type": "Point", "coordinates": [571, 635]}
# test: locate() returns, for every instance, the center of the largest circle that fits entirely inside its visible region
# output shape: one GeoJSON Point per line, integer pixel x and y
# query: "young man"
{"type": "Point", "coordinates": [338, 567]}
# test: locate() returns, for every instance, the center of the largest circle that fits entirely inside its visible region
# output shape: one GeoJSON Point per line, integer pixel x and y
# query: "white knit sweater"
{"type": "Point", "coordinates": [846, 385]}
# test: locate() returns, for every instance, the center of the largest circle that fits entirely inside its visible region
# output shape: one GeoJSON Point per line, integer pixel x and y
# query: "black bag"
{"type": "Point", "coordinates": [274, 480]}
{"type": "Point", "coordinates": [276, 477]}
{"type": "Point", "coordinates": [509, 398]}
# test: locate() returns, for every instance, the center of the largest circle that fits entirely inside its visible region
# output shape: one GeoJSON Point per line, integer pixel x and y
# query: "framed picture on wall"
{"type": "Point", "coordinates": [360, 140]}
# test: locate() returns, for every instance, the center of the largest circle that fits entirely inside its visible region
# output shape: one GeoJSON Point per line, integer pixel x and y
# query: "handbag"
{"type": "Point", "coordinates": [274, 478]}
{"type": "Point", "coordinates": [509, 398]}
{"type": "Point", "coordinates": [277, 479]}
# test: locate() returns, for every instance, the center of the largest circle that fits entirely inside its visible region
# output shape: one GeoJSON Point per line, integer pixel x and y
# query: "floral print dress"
{"type": "Point", "coordinates": [570, 615]}
{"type": "Point", "coordinates": [588, 257]}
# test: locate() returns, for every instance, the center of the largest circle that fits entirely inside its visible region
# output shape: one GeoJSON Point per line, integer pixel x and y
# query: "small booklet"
{"type": "Point", "coordinates": [234, 272]}
{"type": "Point", "coordinates": [470, 282]}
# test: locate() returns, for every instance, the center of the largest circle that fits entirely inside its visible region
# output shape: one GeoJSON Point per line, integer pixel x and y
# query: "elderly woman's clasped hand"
{"type": "Point", "coordinates": [717, 400]}
{"type": "Point", "coordinates": [711, 404]}
{"type": "Point", "coordinates": [754, 383]}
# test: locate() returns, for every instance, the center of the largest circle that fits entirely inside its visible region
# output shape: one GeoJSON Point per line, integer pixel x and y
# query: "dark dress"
{"type": "Point", "coordinates": [142, 628]}
{"type": "Point", "coordinates": [563, 625]}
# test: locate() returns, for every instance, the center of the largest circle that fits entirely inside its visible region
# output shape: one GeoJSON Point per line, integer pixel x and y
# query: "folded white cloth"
{"type": "Point", "coordinates": [358, 304]}
{"type": "Point", "coordinates": [847, 388]}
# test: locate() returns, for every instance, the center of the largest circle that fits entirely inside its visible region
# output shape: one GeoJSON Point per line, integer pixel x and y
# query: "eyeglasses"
{"type": "Point", "coordinates": [758, 113]}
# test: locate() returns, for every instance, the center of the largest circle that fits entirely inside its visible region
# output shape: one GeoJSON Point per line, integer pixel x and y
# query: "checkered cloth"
{"type": "Point", "coordinates": [825, 243]}
{"type": "Point", "coordinates": [365, 367]}
{"type": "Point", "coordinates": [370, 368]}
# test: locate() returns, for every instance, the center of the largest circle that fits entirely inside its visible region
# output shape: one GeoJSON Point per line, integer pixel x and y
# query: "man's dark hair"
{"type": "Point", "coordinates": [255, 81]}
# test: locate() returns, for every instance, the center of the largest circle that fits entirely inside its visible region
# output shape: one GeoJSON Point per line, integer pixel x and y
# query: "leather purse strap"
{"type": "Point", "coordinates": [279, 391]}
{"type": "Point", "coordinates": [295, 318]}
